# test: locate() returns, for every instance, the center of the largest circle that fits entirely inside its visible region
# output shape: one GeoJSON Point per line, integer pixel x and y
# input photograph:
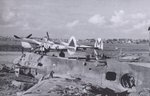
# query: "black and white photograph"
{"type": "Point", "coordinates": [74, 47]}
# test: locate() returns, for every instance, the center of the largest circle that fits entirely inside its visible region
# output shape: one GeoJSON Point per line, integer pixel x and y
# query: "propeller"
{"type": "Point", "coordinates": [29, 36]}
{"type": "Point", "coordinates": [47, 35]}
{"type": "Point", "coordinates": [21, 37]}
{"type": "Point", "coordinates": [17, 37]}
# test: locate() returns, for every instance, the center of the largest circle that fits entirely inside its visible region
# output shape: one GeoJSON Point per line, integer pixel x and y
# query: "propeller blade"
{"type": "Point", "coordinates": [29, 36]}
{"type": "Point", "coordinates": [17, 37]}
{"type": "Point", "coordinates": [47, 35]}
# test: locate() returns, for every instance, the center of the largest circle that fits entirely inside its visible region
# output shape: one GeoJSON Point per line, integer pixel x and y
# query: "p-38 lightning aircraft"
{"type": "Point", "coordinates": [46, 44]}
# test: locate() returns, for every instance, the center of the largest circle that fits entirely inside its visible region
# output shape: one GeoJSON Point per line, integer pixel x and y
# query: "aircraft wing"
{"type": "Point", "coordinates": [76, 57]}
{"type": "Point", "coordinates": [84, 46]}
{"type": "Point", "coordinates": [64, 43]}
{"type": "Point", "coordinates": [37, 42]}
{"type": "Point", "coordinates": [30, 43]}
{"type": "Point", "coordinates": [129, 58]}
{"type": "Point", "coordinates": [98, 45]}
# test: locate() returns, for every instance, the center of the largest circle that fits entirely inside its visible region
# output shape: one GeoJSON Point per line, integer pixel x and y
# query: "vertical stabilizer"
{"type": "Point", "coordinates": [72, 45]}
{"type": "Point", "coordinates": [99, 44]}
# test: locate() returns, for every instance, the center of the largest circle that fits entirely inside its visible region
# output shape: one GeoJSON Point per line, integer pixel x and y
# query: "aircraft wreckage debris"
{"type": "Point", "coordinates": [57, 76]}
{"type": "Point", "coordinates": [68, 87]}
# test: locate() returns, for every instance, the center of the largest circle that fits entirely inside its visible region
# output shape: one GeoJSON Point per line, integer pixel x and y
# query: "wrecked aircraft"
{"type": "Point", "coordinates": [112, 74]}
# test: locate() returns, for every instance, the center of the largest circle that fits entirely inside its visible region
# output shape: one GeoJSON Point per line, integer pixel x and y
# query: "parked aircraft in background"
{"type": "Point", "coordinates": [97, 45]}
{"type": "Point", "coordinates": [27, 42]}
{"type": "Point", "coordinates": [46, 44]}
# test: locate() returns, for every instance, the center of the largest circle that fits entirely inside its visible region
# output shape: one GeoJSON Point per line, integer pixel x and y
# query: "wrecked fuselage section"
{"type": "Point", "coordinates": [110, 76]}
{"type": "Point", "coordinates": [35, 64]}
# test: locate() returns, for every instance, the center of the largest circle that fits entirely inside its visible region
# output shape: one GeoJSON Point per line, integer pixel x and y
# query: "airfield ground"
{"type": "Point", "coordinates": [7, 58]}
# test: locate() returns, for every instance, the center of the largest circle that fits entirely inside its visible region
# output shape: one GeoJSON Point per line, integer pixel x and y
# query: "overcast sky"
{"type": "Point", "coordinates": [81, 18]}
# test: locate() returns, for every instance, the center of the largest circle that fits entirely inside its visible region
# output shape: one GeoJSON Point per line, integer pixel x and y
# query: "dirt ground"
{"type": "Point", "coordinates": [6, 89]}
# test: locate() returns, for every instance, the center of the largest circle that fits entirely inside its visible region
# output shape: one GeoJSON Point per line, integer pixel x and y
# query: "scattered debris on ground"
{"type": "Point", "coordinates": [10, 84]}
{"type": "Point", "coordinates": [4, 68]}
{"type": "Point", "coordinates": [68, 87]}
